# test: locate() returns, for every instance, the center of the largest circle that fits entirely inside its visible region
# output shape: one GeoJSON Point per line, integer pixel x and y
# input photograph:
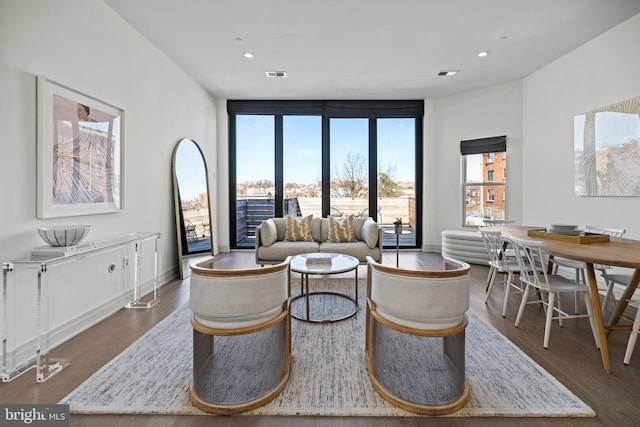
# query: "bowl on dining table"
{"type": "Point", "coordinates": [563, 226]}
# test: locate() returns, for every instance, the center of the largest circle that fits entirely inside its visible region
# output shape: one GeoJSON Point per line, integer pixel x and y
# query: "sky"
{"type": "Point", "coordinates": [302, 137]}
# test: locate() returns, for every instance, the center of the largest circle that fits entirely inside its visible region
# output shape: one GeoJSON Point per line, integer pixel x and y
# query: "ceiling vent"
{"type": "Point", "coordinates": [448, 73]}
{"type": "Point", "coordinates": [276, 74]}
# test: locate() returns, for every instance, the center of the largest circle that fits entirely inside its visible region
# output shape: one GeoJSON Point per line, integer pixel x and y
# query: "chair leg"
{"type": "Point", "coordinates": [507, 292]}
{"type": "Point", "coordinates": [490, 287]}
{"type": "Point", "coordinates": [559, 302]}
{"type": "Point", "coordinates": [575, 294]}
{"type": "Point", "coordinates": [491, 270]}
{"type": "Point", "coordinates": [547, 325]}
{"type": "Point", "coordinates": [632, 339]}
{"type": "Point", "coordinates": [523, 303]}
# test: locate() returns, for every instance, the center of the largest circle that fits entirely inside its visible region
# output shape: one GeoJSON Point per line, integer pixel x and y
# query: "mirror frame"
{"type": "Point", "coordinates": [181, 234]}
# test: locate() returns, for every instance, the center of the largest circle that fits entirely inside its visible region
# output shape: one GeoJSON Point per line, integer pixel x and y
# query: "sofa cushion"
{"type": "Point", "coordinates": [299, 229]}
{"type": "Point", "coordinates": [316, 229]}
{"type": "Point", "coordinates": [268, 232]}
{"type": "Point", "coordinates": [341, 229]}
{"type": "Point", "coordinates": [370, 233]}
{"type": "Point", "coordinates": [281, 226]}
{"type": "Point", "coordinates": [281, 250]}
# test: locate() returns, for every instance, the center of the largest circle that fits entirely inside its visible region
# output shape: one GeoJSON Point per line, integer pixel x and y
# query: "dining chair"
{"type": "Point", "coordinates": [579, 266]}
{"type": "Point", "coordinates": [624, 279]}
{"type": "Point", "coordinates": [500, 262]}
{"type": "Point", "coordinates": [533, 261]}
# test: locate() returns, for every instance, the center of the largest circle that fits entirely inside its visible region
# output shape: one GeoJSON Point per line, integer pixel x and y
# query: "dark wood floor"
{"type": "Point", "coordinates": [572, 358]}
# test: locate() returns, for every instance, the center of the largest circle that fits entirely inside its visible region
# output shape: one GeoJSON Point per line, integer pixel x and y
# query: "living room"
{"type": "Point", "coordinates": [89, 47]}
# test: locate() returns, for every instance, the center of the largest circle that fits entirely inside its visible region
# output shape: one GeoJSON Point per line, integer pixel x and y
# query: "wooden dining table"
{"type": "Point", "coordinates": [617, 252]}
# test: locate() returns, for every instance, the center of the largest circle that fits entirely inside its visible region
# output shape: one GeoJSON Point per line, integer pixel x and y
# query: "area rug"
{"type": "Point", "coordinates": [328, 374]}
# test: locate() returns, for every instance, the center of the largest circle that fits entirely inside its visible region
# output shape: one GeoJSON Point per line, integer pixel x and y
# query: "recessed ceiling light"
{"type": "Point", "coordinates": [275, 73]}
{"type": "Point", "coordinates": [248, 55]}
{"type": "Point", "coordinates": [483, 54]}
{"type": "Point", "coordinates": [448, 73]}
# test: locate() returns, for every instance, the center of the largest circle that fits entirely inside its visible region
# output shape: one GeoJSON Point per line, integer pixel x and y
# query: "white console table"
{"type": "Point", "coordinates": [40, 269]}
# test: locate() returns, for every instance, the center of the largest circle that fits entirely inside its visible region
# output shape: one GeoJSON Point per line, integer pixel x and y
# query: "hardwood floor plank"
{"type": "Point", "coordinates": [572, 358]}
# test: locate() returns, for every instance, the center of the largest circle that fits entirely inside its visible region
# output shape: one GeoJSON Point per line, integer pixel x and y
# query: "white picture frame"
{"type": "Point", "coordinates": [80, 153]}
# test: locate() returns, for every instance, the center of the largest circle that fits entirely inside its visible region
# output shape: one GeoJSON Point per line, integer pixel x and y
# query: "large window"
{"type": "Point", "coordinates": [484, 164]}
{"type": "Point", "coordinates": [360, 158]}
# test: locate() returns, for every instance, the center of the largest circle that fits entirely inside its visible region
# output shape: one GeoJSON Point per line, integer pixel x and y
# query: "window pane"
{"type": "Point", "coordinates": [255, 174]}
{"type": "Point", "coordinates": [302, 174]}
{"type": "Point", "coordinates": [485, 181]}
{"type": "Point", "coordinates": [396, 175]}
{"type": "Point", "coordinates": [349, 157]}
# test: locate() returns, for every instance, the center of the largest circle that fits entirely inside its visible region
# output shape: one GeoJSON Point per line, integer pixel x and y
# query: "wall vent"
{"type": "Point", "coordinates": [276, 74]}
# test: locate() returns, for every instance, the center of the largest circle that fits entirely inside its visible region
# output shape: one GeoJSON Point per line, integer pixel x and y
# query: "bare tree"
{"type": "Point", "coordinates": [351, 178]}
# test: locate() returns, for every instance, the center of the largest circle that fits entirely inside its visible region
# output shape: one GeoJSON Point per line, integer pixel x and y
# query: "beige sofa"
{"type": "Point", "coordinates": [272, 248]}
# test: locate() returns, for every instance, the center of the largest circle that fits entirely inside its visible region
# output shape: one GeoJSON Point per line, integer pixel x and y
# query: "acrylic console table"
{"type": "Point", "coordinates": [86, 265]}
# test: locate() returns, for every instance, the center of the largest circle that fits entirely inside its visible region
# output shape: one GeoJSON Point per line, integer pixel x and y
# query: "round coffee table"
{"type": "Point", "coordinates": [334, 264]}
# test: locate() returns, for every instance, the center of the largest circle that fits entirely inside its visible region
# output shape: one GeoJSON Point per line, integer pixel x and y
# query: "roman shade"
{"type": "Point", "coordinates": [495, 144]}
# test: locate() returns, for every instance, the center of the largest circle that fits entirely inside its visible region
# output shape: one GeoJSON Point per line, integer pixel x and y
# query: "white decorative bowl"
{"type": "Point", "coordinates": [64, 235]}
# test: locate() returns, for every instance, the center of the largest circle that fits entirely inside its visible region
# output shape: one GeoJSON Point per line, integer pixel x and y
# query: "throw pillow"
{"type": "Point", "coordinates": [341, 229]}
{"type": "Point", "coordinates": [370, 233]}
{"type": "Point", "coordinates": [268, 232]}
{"type": "Point", "coordinates": [358, 222]}
{"type": "Point", "coordinates": [299, 229]}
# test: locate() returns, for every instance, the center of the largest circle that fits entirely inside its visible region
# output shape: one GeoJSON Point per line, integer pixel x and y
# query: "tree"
{"type": "Point", "coordinates": [387, 185]}
{"type": "Point", "coordinates": [351, 179]}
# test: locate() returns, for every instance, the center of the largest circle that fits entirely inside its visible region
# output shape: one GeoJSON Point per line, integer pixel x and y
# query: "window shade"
{"type": "Point", "coordinates": [336, 109]}
{"type": "Point", "coordinates": [495, 144]}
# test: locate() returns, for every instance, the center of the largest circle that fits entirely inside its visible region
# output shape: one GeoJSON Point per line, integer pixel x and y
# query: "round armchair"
{"type": "Point", "coordinates": [241, 336]}
{"type": "Point", "coordinates": [415, 336]}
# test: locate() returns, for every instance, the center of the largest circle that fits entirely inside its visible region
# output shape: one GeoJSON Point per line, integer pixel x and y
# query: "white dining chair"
{"type": "Point", "coordinates": [500, 263]}
{"type": "Point", "coordinates": [579, 266]}
{"type": "Point", "coordinates": [533, 261]}
{"type": "Point", "coordinates": [623, 280]}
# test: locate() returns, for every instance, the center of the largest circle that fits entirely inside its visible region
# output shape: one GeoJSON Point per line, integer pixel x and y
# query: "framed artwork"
{"type": "Point", "coordinates": [607, 150]}
{"type": "Point", "coordinates": [80, 154]}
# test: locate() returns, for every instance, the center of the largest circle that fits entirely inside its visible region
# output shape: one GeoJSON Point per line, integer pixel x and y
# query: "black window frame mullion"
{"type": "Point", "coordinates": [419, 165]}
{"type": "Point", "coordinates": [326, 167]}
{"type": "Point", "coordinates": [373, 169]}
{"type": "Point", "coordinates": [279, 165]}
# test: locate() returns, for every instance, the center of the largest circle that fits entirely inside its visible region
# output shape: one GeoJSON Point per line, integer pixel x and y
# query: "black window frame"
{"type": "Point", "coordinates": [369, 109]}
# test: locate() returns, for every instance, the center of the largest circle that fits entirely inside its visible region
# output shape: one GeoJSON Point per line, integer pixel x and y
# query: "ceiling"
{"type": "Point", "coordinates": [366, 49]}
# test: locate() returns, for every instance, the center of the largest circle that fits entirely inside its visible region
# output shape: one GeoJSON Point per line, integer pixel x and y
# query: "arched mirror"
{"type": "Point", "coordinates": [191, 199]}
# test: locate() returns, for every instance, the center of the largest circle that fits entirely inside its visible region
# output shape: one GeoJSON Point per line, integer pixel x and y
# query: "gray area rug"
{"type": "Point", "coordinates": [328, 374]}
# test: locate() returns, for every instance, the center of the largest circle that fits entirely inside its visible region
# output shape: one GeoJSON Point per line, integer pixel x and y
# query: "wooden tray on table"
{"type": "Point", "coordinates": [586, 238]}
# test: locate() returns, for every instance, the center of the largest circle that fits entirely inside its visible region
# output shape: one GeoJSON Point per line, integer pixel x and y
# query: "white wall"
{"type": "Point", "coordinates": [488, 112]}
{"type": "Point", "coordinates": [85, 45]}
{"type": "Point", "coordinates": [601, 72]}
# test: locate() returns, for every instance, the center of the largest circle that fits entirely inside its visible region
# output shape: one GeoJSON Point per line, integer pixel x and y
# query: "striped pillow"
{"type": "Point", "coordinates": [341, 229]}
{"type": "Point", "coordinates": [299, 229]}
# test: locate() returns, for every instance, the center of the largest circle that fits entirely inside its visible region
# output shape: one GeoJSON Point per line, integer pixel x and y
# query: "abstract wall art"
{"type": "Point", "coordinates": [607, 150]}
{"type": "Point", "coordinates": [80, 153]}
